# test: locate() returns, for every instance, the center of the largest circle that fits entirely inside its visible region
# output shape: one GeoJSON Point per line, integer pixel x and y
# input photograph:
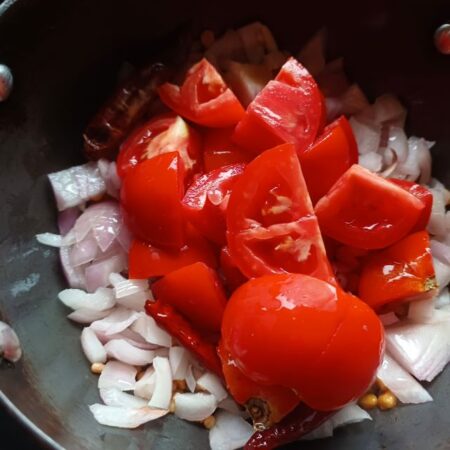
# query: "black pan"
{"type": "Point", "coordinates": [65, 56]}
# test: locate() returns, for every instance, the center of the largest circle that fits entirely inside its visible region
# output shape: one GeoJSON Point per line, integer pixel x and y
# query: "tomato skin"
{"type": "Point", "coordinates": [147, 261]}
{"type": "Point", "coordinates": [231, 273]}
{"type": "Point", "coordinates": [288, 109]}
{"type": "Point", "coordinates": [204, 98]}
{"type": "Point", "coordinates": [196, 292]}
{"type": "Point", "coordinates": [423, 194]}
{"type": "Point", "coordinates": [400, 273]}
{"type": "Point", "coordinates": [270, 220]}
{"type": "Point", "coordinates": [366, 211]}
{"type": "Point", "coordinates": [206, 200]}
{"type": "Point", "coordinates": [156, 185]}
{"type": "Point", "coordinates": [328, 158]}
{"type": "Point", "coordinates": [325, 344]}
{"type": "Point", "coordinates": [162, 134]}
{"type": "Point", "coordinates": [219, 150]}
{"type": "Point", "coordinates": [277, 401]}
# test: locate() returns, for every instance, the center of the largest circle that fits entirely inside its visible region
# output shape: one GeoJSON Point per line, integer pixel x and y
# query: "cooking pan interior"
{"type": "Point", "coordinates": [65, 57]}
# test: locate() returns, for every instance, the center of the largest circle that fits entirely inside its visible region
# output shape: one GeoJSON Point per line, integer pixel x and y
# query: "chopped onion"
{"type": "Point", "coordinates": [162, 393]}
{"type": "Point", "coordinates": [145, 386]}
{"type": "Point", "coordinates": [388, 319]}
{"type": "Point", "coordinates": [367, 136]}
{"type": "Point", "coordinates": [179, 362]}
{"type": "Point", "coordinates": [228, 404]}
{"type": "Point", "coordinates": [117, 375]}
{"type": "Point", "coordinates": [50, 239]}
{"type": "Point", "coordinates": [334, 108]}
{"type": "Point", "coordinates": [443, 299]}
{"type": "Point", "coordinates": [442, 272]}
{"type": "Point", "coordinates": [130, 336]}
{"type": "Point", "coordinates": [228, 47]}
{"type": "Point", "coordinates": [353, 100]}
{"type": "Point", "coordinates": [9, 343]}
{"type": "Point", "coordinates": [371, 161]}
{"type": "Point", "coordinates": [123, 351]}
{"type": "Point", "coordinates": [115, 397]}
{"type": "Point", "coordinates": [398, 143]}
{"type": "Point", "coordinates": [100, 300]}
{"type": "Point", "coordinates": [67, 219]}
{"type": "Point", "coordinates": [116, 416]}
{"type": "Point", "coordinates": [84, 252]}
{"type": "Point", "coordinates": [257, 40]}
{"type": "Point", "coordinates": [150, 331]}
{"type": "Point", "coordinates": [401, 383]}
{"type": "Point", "coordinates": [74, 275]}
{"type": "Point", "coordinates": [129, 287]}
{"type": "Point", "coordinates": [194, 407]}
{"type": "Point", "coordinates": [190, 379]}
{"type": "Point", "coordinates": [388, 109]}
{"type": "Point", "coordinates": [97, 273]}
{"type": "Point", "coordinates": [440, 251]}
{"type": "Point", "coordinates": [120, 319]}
{"type": "Point", "coordinates": [312, 54]}
{"type": "Point", "coordinates": [135, 301]}
{"type": "Point", "coordinates": [92, 347]}
{"type": "Point", "coordinates": [211, 383]}
{"type": "Point", "coordinates": [108, 172]}
{"type": "Point", "coordinates": [230, 432]}
{"type": "Point", "coordinates": [87, 316]}
{"type": "Point", "coordinates": [421, 311]}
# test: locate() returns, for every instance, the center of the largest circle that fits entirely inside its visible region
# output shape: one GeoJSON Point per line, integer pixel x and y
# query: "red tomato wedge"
{"type": "Point", "coordinates": [232, 275]}
{"type": "Point", "coordinates": [196, 292]}
{"type": "Point", "coordinates": [219, 150]}
{"type": "Point", "coordinates": [289, 109]}
{"type": "Point", "coordinates": [266, 404]}
{"type": "Point", "coordinates": [423, 194]}
{"type": "Point", "coordinates": [204, 98]}
{"type": "Point", "coordinates": [271, 223]}
{"type": "Point", "coordinates": [163, 134]}
{"type": "Point", "coordinates": [400, 273]}
{"type": "Point", "coordinates": [337, 340]}
{"type": "Point", "coordinates": [151, 200]}
{"type": "Point", "coordinates": [147, 261]}
{"type": "Point", "coordinates": [328, 158]}
{"type": "Point", "coordinates": [206, 200]}
{"type": "Point", "coordinates": [366, 211]}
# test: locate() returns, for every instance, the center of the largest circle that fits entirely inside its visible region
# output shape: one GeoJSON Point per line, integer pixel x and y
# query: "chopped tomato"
{"type": "Point", "coordinates": [232, 275]}
{"type": "Point", "coordinates": [147, 261]}
{"type": "Point", "coordinates": [366, 211]}
{"type": "Point", "coordinates": [219, 150]}
{"type": "Point", "coordinates": [204, 98]}
{"type": "Point", "coordinates": [423, 194]}
{"type": "Point", "coordinates": [289, 109]}
{"type": "Point", "coordinates": [163, 134]}
{"type": "Point", "coordinates": [328, 158]}
{"type": "Point", "coordinates": [266, 404]}
{"type": "Point", "coordinates": [196, 292]}
{"type": "Point", "coordinates": [400, 273]}
{"type": "Point", "coordinates": [151, 200]}
{"type": "Point", "coordinates": [206, 200]}
{"type": "Point", "coordinates": [271, 223]}
{"type": "Point", "coordinates": [337, 339]}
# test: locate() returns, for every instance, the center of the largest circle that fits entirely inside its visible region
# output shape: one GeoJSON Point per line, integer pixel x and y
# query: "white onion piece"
{"type": "Point", "coordinates": [194, 407]}
{"type": "Point", "coordinates": [84, 252]}
{"type": "Point", "coordinates": [421, 311]}
{"type": "Point", "coordinates": [230, 432]}
{"type": "Point", "coordinates": [440, 251]}
{"type": "Point", "coordinates": [367, 136]}
{"type": "Point", "coordinates": [130, 336]}
{"type": "Point", "coordinates": [442, 272]}
{"type": "Point", "coordinates": [388, 109]}
{"type": "Point", "coordinates": [9, 343]}
{"type": "Point", "coordinates": [420, 150]}
{"type": "Point", "coordinates": [162, 393]}
{"type": "Point", "coordinates": [401, 383]}
{"type": "Point", "coordinates": [87, 316]}
{"type": "Point", "coordinates": [388, 319]}
{"type": "Point", "coordinates": [123, 351]}
{"type": "Point", "coordinates": [353, 100]}
{"type": "Point", "coordinates": [129, 287]}
{"type": "Point", "coordinates": [150, 331]}
{"type": "Point", "coordinates": [100, 300]}
{"type": "Point", "coordinates": [228, 404]}
{"type": "Point", "coordinates": [190, 379]}
{"type": "Point", "coordinates": [74, 275]}
{"type": "Point", "coordinates": [76, 185]}
{"type": "Point", "coordinates": [97, 273]}
{"type": "Point", "coordinates": [67, 219]}
{"type": "Point", "coordinates": [228, 47]}
{"type": "Point", "coordinates": [398, 142]}
{"type": "Point", "coordinates": [135, 301]}
{"type": "Point", "coordinates": [211, 383]}
{"type": "Point", "coordinates": [50, 239]}
{"type": "Point", "coordinates": [443, 299]}
{"type": "Point", "coordinates": [117, 375]}
{"type": "Point", "coordinates": [108, 172]}
{"type": "Point", "coordinates": [312, 54]}
{"type": "Point", "coordinates": [371, 161]}
{"type": "Point", "coordinates": [422, 349]}
{"type": "Point", "coordinates": [179, 362]}
{"type": "Point", "coordinates": [257, 40]}
{"type": "Point", "coordinates": [334, 108]}
{"type": "Point", "coordinates": [120, 319]}
{"type": "Point", "coordinates": [116, 416]}
{"type": "Point", "coordinates": [145, 386]}
{"type": "Point", "coordinates": [116, 397]}
{"type": "Point", "coordinates": [437, 224]}
{"type": "Point", "coordinates": [116, 278]}
{"type": "Point", "coordinates": [92, 347]}
{"type": "Point", "coordinates": [346, 416]}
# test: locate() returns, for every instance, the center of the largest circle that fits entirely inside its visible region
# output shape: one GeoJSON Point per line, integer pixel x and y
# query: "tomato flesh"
{"type": "Point", "coordinates": [366, 211]}
{"type": "Point", "coordinates": [328, 158]}
{"type": "Point", "coordinates": [205, 202]}
{"type": "Point", "coordinates": [400, 273]}
{"type": "Point", "coordinates": [204, 98]}
{"type": "Point", "coordinates": [151, 201]}
{"type": "Point", "coordinates": [288, 109]}
{"type": "Point", "coordinates": [233, 277]}
{"type": "Point", "coordinates": [305, 334]}
{"type": "Point", "coordinates": [196, 292]}
{"type": "Point", "coordinates": [270, 220]}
